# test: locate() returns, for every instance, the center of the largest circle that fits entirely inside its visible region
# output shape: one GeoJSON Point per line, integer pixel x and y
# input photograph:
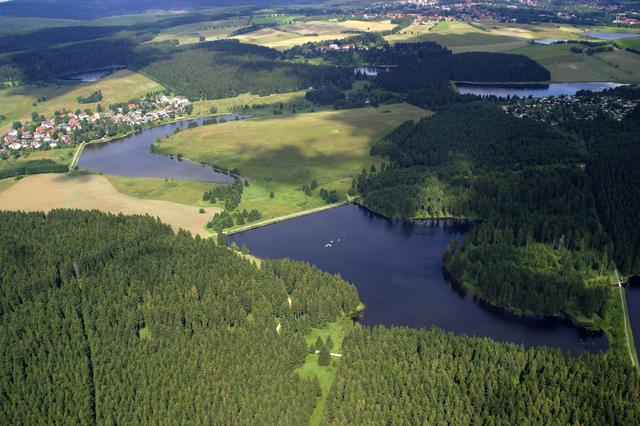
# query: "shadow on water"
{"type": "Point", "coordinates": [397, 267]}
{"type": "Point", "coordinates": [131, 156]}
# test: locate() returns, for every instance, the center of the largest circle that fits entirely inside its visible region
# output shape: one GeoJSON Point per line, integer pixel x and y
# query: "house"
{"type": "Point", "coordinates": [15, 146]}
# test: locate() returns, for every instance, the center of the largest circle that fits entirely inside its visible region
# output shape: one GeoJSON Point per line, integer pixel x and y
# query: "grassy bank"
{"type": "Point", "coordinates": [59, 156]}
{"type": "Point", "coordinates": [566, 66]}
{"type": "Point", "coordinates": [281, 154]}
{"type": "Point", "coordinates": [175, 190]}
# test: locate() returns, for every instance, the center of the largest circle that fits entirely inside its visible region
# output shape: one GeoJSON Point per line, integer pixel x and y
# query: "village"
{"type": "Point", "coordinates": [68, 128]}
{"type": "Point", "coordinates": [556, 109]}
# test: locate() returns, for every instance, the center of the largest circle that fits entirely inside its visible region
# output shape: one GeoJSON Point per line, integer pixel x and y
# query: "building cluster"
{"type": "Point", "coordinates": [625, 19]}
{"type": "Point", "coordinates": [556, 109]}
{"type": "Point", "coordinates": [58, 131]}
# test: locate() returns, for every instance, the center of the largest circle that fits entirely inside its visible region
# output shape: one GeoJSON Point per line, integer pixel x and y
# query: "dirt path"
{"type": "Point", "coordinates": [51, 191]}
{"type": "Point", "coordinates": [626, 319]}
{"type": "Point", "coordinates": [285, 217]}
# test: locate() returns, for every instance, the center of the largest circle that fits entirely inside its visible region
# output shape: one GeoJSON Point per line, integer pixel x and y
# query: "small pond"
{"type": "Point", "coordinates": [91, 76]}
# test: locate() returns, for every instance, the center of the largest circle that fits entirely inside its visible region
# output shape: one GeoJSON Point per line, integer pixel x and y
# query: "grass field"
{"type": "Point", "coordinates": [51, 191]}
{"type": "Point", "coordinates": [13, 24]}
{"type": "Point", "coordinates": [178, 191]}
{"type": "Point", "coordinates": [7, 183]}
{"type": "Point", "coordinates": [210, 30]}
{"type": "Point", "coordinates": [256, 105]}
{"type": "Point", "coordinates": [462, 37]}
{"type": "Point", "coordinates": [60, 156]}
{"type": "Point", "coordinates": [280, 19]}
{"type": "Point", "coordinates": [281, 154]}
{"type": "Point", "coordinates": [325, 375]}
{"type": "Point", "coordinates": [567, 66]}
{"type": "Point", "coordinates": [633, 43]}
{"type": "Point", "coordinates": [286, 36]}
{"type": "Point", "coordinates": [18, 103]}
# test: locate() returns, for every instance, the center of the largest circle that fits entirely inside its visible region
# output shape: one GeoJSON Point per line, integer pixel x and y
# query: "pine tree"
{"type": "Point", "coordinates": [329, 343]}
{"type": "Point", "coordinates": [324, 358]}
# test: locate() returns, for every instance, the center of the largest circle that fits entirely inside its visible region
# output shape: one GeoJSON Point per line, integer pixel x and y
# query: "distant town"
{"type": "Point", "coordinates": [584, 106]}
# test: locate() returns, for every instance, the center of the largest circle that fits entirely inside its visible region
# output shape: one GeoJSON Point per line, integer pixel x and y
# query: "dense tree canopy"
{"type": "Point", "coordinates": [113, 319]}
{"type": "Point", "coordinates": [414, 377]}
{"type": "Point", "coordinates": [228, 68]}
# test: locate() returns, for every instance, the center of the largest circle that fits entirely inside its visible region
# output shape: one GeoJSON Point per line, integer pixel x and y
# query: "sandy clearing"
{"type": "Point", "coordinates": [51, 191]}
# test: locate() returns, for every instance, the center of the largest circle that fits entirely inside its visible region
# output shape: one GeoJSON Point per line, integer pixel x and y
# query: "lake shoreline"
{"type": "Point", "coordinates": [516, 313]}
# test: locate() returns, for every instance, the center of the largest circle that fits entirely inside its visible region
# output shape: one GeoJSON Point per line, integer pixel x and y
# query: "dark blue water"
{"type": "Point", "coordinates": [633, 303]}
{"type": "Point", "coordinates": [611, 36]}
{"type": "Point", "coordinates": [535, 90]}
{"type": "Point", "coordinates": [90, 76]}
{"type": "Point", "coordinates": [130, 156]}
{"type": "Point", "coordinates": [397, 268]}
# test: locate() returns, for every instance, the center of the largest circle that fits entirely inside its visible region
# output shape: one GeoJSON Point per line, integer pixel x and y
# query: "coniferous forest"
{"type": "Point", "coordinates": [408, 376]}
{"type": "Point", "coordinates": [111, 319]}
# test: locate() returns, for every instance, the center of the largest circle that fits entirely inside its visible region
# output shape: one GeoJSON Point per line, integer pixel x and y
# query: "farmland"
{"type": "Point", "coordinates": [567, 66]}
{"type": "Point", "coordinates": [462, 37]}
{"type": "Point", "coordinates": [210, 30]}
{"type": "Point", "coordinates": [281, 154]}
{"type": "Point", "coordinates": [286, 36]}
{"type": "Point", "coordinates": [19, 102]}
{"type": "Point", "coordinates": [88, 192]}
{"type": "Point", "coordinates": [254, 104]}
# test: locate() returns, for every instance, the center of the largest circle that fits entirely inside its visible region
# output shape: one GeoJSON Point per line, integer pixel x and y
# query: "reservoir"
{"type": "Point", "coordinates": [611, 36]}
{"type": "Point", "coordinates": [90, 76]}
{"type": "Point", "coordinates": [397, 267]}
{"type": "Point", "coordinates": [131, 156]}
{"type": "Point", "coordinates": [534, 90]}
{"type": "Point", "coordinates": [633, 303]}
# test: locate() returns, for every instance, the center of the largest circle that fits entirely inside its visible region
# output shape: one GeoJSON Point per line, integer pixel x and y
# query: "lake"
{"type": "Point", "coordinates": [633, 302]}
{"type": "Point", "coordinates": [535, 90]}
{"type": "Point", "coordinates": [131, 156]}
{"type": "Point", "coordinates": [90, 76]}
{"type": "Point", "coordinates": [397, 267]}
{"type": "Point", "coordinates": [549, 41]}
{"type": "Point", "coordinates": [611, 36]}
{"type": "Point", "coordinates": [369, 70]}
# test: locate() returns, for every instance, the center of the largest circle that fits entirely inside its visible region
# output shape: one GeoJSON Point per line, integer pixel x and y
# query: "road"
{"type": "Point", "coordinates": [625, 319]}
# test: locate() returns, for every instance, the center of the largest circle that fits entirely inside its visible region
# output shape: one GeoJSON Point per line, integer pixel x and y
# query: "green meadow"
{"type": "Point", "coordinates": [281, 154]}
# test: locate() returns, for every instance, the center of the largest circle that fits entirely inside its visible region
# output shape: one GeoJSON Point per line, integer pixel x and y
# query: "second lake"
{"type": "Point", "coordinates": [535, 90]}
